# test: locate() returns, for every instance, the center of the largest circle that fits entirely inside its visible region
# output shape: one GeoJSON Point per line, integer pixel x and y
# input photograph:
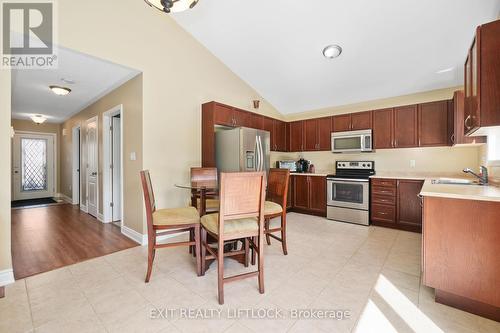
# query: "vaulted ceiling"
{"type": "Point", "coordinates": [390, 47]}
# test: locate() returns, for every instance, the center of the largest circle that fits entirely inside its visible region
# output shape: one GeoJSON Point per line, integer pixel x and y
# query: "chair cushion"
{"type": "Point", "coordinates": [271, 208]}
{"type": "Point", "coordinates": [210, 204]}
{"type": "Point", "coordinates": [172, 216]}
{"type": "Point", "coordinates": [247, 225]}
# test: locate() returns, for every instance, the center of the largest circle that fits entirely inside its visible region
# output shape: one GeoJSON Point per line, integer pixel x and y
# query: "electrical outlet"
{"type": "Point", "coordinates": [70, 187]}
{"type": "Point", "coordinates": [412, 163]}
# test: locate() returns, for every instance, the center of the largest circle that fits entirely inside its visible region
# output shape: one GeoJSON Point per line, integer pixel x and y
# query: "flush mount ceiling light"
{"type": "Point", "coordinates": [172, 6]}
{"type": "Point", "coordinates": [38, 119]}
{"type": "Point", "coordinates": [61, 91]}
{"type": "Point", "coordinates": [332, 51]}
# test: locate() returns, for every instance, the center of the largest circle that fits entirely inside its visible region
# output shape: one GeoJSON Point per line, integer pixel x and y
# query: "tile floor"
{"type": "Point", "coordinates": [373, 273]}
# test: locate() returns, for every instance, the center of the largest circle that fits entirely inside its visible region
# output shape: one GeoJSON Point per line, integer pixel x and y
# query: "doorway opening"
{"type": "Point", "coordinates": [113, 166]}
{"type": "Point", "coordinates": [33, 168]}
{"type": "Point", "coordinates": [76, 166]}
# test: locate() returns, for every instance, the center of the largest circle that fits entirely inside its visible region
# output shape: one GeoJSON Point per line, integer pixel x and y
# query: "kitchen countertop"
{"type": "Point", "coordinates": [321, 173]}
{"type": "Point", "coordinates": [468, 192]}
{"type": "Point", "coordinates": [418, 175]}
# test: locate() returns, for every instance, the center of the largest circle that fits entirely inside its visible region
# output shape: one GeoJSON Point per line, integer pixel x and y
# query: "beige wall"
{"type": "Point", "coordinates": [5, 145]}
{"type": "Point", "coordinates": [179, 74]}
{"type": "Point", "coordinates": [493, 167]}
{"type": "Point", "coordinates": [422, 97]}
{"type": "Point", "coordinates": [30, 126]}
{"type": "Point", "coordinates": [436, 159]}
{"type": "Point", "coordinates": [431, 159]}
{"type": "Point", "coordinates": [130, 96]}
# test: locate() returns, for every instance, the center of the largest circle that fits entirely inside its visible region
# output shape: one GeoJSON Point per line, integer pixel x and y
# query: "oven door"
{"type": "Point", "coordinates": [348, 193]}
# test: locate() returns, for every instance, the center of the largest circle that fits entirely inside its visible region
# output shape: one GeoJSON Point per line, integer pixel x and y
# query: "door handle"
{"type": "Point", "coordinates": [93, 174]}
{"type": "Point", "coordinates": [466, 122]}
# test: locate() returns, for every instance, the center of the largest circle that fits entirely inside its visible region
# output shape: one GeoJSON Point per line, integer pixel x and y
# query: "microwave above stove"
{"type": "Point", "coordinates": [352, 141]}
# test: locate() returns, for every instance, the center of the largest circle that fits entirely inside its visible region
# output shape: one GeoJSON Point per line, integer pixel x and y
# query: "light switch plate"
{"type": "Point", "coordinates": [412, 163]}
{"type": "Point", "coordinates": [133, 157]}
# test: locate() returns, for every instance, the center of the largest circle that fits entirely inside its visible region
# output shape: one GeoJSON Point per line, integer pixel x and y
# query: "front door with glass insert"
{"type": "Point", "coordinates": [32, 166]}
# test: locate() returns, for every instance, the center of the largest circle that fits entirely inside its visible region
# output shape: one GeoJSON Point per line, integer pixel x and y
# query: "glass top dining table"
{"type": "Point", "coordinates": [201, 189]}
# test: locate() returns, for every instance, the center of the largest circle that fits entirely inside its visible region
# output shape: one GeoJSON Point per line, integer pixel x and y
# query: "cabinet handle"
{"type": "Point", "coordinates": [466, 122]}
{"type": "Point", "coordinates": [453, 138]}
{"type": "Point", "coordinates": [382, 213]}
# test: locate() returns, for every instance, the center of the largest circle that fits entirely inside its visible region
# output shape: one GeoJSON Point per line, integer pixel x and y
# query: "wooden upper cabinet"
{"type": "Point", "coordinates": [383, 123]}
{"type": "Point", "coordinates": [311, 134]}
{"type": "Point", "coordinates": [361, 120]}
{"type": "Point", "coordinates": [342, 123]}
{"type": "Point", "coordinates": [405, 126]}
{"type": "Point", "coordinates": [325, 133]}
{"type": "Point", "coordinates": [242, 118]}
{"type": "Point", "coordinates": [268, 125]}
{"type": "Point", "coordinates": [296, 136]}
{"type": "Point", "coordinates": [279, 133]}
{"type": "Point", "coordinates": [433, 124]}
{"type": "Point", "coordinates": [257, 121]}
{"type": "Point", "coordinates": [223, 114]}
{"type": "Point", "coordinates": [456, 122]}
{"type": "Point", "coordinates": [482, 79]}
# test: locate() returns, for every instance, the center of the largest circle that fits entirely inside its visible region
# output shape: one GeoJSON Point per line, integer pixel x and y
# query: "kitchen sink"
{"type": "Point", "coordinates": [454, 181]}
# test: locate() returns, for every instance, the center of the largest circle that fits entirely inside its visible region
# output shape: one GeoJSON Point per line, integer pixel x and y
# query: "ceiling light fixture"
{"type": "Point", "coordinates": [38, 119]}
{"type": "Point", "coordinates": [446, 70]}
{"type": "Point", "coordinates": [172, 6]}
{"type": "Point", "coordinates": [61, 91]}
{"type": "Point", "coordinates": [332, 51]}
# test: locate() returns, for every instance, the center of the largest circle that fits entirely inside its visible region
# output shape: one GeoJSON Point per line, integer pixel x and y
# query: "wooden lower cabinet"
{"type": "Point", "coordinates": [395, 203]}
{"type": "Point", "coordinates": [460, 250]}
{"type": "Point", "coordinates": [309, 194]}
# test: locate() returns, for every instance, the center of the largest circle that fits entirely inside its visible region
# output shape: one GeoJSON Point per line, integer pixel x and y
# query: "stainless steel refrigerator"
{"type": "Point", "coordinates": [242, 149]}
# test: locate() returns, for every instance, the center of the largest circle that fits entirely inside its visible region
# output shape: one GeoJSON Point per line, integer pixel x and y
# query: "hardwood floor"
{"type": "Point", "coordinates": [49, 237]}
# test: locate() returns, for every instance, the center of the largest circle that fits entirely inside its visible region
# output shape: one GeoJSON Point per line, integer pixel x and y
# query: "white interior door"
{"type": "Point", "coordinates": [33, 166]}
{"type": "Point", "coordinates": [116, 171]}
{"type": "Point", "coordinates": [92, 167]}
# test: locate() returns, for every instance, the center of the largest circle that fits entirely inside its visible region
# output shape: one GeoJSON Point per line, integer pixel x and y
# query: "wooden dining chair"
{"type": "Point", "coordinates": [241, 216]}
{"type": "Point", "coordinates": [205, 177]}
{"type": "Point", "coordinates": [168, 221]}
{"type": "Point", "coordinates": [275, 205]}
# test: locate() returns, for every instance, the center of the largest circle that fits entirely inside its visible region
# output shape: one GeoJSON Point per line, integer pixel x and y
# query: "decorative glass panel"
{"type": "Point", "coordinates": [33, 164]}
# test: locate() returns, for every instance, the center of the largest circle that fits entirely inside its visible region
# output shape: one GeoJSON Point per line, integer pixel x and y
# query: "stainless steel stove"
{"type": "Point", "coordinates": [348, 192]}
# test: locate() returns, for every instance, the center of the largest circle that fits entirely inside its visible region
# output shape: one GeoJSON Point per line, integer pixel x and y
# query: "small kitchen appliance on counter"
{"type": "Point", "coordinates": [303, 165]}
{"type": "Point", "coordinates": [290, 165]}
{"type": "Point", "coordinates": [348, 192]}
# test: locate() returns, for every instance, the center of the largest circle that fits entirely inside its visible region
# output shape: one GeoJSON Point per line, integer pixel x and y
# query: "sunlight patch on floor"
{"type": "Point", "coordinates": [402, 306]}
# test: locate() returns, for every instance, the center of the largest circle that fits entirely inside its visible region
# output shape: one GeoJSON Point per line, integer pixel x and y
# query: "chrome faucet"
{"type": "Point", "coordinates": [483, 176]}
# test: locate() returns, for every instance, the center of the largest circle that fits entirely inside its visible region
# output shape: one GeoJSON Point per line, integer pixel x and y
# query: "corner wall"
{"type": "Point", "coordinates": [5, 178]}
{"type": "Point", "coordinates": [130, 96]}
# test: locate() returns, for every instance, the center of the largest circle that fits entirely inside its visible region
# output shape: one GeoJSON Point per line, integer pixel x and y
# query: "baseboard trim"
{"type": "Point", "coordinates": [100, 217]}
{"type": "Point", "coordinates": [65, 198]}
{"type": "Point", "coordinates": [6, 277]}
{"type": "Point", "coordinates": [84, 208]}
{"type": "Point", "coordinates": [142, 238]}
{"type": "Point", "coordinates": [132, 234]}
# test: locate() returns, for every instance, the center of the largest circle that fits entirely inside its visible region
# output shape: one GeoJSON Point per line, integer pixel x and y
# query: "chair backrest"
{"type": "Point", "coordinates": [242, 195]}
{"type": "Point", "coordinates": [149, 198]}
{"type": "Point", "coordinates": [204, 176]}
{"type": "Point", "coordinates": [277, 186]}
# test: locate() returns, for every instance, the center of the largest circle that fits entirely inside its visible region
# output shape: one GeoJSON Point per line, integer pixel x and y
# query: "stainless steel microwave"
{"type": "Point", "coordinates": [352, 141]}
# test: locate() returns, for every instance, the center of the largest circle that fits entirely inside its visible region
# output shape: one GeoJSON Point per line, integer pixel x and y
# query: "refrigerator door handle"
{"type": "Point", "coordinates": [261, 158]}
{"type": "Point", "coordinates": [257, 153]}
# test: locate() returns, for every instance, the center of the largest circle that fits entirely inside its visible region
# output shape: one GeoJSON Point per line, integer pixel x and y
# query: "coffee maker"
{"type": "Point", "coordinates": [303, 165]}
